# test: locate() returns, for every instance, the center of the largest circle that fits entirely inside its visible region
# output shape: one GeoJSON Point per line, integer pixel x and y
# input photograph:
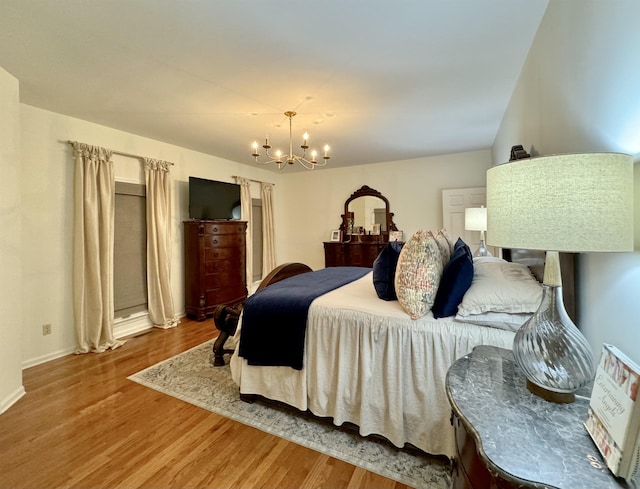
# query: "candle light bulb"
{"type": "Point", "coordinates": [326, 149]}
{"type": "Point", "coordinates": [305, 136]}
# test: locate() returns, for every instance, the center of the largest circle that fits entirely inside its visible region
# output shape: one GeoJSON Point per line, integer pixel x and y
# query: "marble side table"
{"type": "Point", "coordinates": [506, 437]}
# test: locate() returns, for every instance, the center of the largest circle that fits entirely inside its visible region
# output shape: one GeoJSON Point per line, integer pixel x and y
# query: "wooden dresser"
{"type": "Point", "coordinates": [214, 265]}
{"type": "Point", "coordinates": [508, 438]}
{"type": "Point", "coordinates": [354, 254]}
{"type": "Point", "coordinates": [360, 248]}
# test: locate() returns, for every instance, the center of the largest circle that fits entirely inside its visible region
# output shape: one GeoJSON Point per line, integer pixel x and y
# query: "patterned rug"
{"type": "Point", "coordinates": [191, 377]}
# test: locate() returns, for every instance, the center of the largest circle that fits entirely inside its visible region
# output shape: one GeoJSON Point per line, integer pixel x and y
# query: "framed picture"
{"type": "Point", "coordinates": [396, 236]}
{"type": "Point", "coordinates": [375, 230]}
{"type": "Point", "coordinates": [336, 235]}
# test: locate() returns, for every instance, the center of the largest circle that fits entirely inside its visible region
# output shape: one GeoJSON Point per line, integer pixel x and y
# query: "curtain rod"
{"type": "Point", "coordinates": [252, 180]}
{"type": "Point", "coordinates": [122, 153]}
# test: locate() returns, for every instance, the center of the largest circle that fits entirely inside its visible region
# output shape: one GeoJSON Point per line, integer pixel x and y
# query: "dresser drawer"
{"type": "Point", "coordinates": [231, 263]}
{"type": "Point", "coordinates": [225, 295]}
{"type": "Point", "coordinates": [214, 254]}
{"type": "Point", "coordinates": [228, 278]}
{"type": "Point", "coordinates": [218, 228]}
{"type": "Point", "coordinates": [223, 241]}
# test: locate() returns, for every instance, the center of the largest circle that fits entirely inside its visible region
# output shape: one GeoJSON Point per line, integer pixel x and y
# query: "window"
{"type": "Point", "coordinates": [130, 250]}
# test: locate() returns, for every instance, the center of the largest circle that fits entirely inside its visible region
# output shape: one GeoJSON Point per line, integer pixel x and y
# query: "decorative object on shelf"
{"type": "Point", "coordinates": [613, 419]}
{"type": "Point", "coordinates": [572, 203]}
{"type": "Point", "coordinates": [279, 158]}
{"type": "Point", "coordinates": [336, 235]}
{"type": "Point", "coordinates": [350, 222]}
{"type": "Point", "coordinates": [518, 153]}
{"type": "Point", "coordinates": [475, 219]}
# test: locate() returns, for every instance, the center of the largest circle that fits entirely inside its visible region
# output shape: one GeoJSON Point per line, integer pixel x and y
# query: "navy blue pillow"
{"type": "Point", "coordinates": [460, 243]}
{"type": "Point", "coordinates": [456, 280]}
{"type": "Point", "coordinates": [384, 271]}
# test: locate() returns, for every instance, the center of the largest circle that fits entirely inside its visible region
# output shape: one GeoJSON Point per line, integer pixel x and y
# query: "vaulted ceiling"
{"type": "Point", "coordinates": [377, 80]}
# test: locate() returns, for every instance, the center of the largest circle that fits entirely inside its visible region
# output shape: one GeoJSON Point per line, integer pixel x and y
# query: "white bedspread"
{"type": "Point", "coordinates": [368, 363]}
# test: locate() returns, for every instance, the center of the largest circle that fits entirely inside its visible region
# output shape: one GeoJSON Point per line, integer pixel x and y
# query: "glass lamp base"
{"type": "Point", "coordinates": [553, 354]}
{"type": "Point", "coordinates": [551, 396]}
{"type": "Point", "coordinates": [482, 250]}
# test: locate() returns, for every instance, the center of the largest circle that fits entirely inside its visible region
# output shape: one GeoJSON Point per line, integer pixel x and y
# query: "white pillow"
{"type": "Point", "coordinates": [501, 286]}
{"type": "Point", "coordinates": [500, 320]}
{"type": "Point", "coordinates": [484, 259]}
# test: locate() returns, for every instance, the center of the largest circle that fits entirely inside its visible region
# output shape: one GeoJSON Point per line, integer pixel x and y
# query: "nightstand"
{"type": "Point", "coordinates": [506, 437]}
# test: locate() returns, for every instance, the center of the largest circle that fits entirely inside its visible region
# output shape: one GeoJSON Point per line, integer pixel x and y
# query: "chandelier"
{"type": "Point", "coordinates": [279, 159]}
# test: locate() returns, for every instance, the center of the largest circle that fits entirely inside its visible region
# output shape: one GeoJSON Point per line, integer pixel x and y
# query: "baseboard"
{"type": "Point", "coordinates": [12, 399]}
{"type": "Point", "coordinates": [122, 327]}
{"type": "Point", "coordinates": [32, 362]}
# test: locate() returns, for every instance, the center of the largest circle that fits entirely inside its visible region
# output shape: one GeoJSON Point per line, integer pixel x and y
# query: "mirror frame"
{"type": "Point", "coordinates": [366, 191]}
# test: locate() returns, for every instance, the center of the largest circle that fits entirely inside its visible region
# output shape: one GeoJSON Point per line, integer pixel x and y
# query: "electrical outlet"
{"type": "Point", "coordinates": [46, 329]}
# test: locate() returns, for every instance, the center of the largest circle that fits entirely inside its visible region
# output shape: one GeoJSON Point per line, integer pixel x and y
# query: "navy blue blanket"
{"type": "Point", "coordinates": [274, 319]}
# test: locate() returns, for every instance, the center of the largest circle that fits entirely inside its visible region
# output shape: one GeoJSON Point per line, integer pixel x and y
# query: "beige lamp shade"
{"type": "Point", "coordinates": [475, 219]}
{"type": "Point", "coordinates": [560, 203]}
{"type": "Point", "coordinates": [570, 202]}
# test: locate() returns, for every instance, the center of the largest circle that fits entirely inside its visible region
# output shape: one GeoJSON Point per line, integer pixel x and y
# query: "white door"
{"type": "Point", "coordinates": [454, 202]}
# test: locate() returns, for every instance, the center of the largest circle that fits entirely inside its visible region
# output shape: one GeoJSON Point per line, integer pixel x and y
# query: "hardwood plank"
{"type": "Point", "coordinates": [83, 424]}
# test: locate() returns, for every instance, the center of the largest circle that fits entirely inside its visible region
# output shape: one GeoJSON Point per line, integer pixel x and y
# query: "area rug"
{"type": "Point", "coordinates": [191, 377]}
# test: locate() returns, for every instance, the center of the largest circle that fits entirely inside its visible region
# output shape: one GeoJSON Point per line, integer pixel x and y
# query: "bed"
{"type": "Point", "coordinates": [367, 362]}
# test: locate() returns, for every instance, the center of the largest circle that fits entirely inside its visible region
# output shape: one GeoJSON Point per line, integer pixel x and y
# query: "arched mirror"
{"type": "Point", "coordinates": [366, 212]}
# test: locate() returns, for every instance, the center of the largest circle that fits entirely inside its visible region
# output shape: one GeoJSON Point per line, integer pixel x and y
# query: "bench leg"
{"type": "Point", "coordinates": [225, 319]}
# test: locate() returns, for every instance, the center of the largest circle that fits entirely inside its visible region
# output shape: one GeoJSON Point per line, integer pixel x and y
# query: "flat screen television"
{"type": "Point", "coordinates": [210, 199]}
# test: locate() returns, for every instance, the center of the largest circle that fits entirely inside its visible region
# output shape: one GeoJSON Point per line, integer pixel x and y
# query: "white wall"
{"type": "Point", "coordinates": [47, 217]}
{"type": "Point", "coordinates": [11, 388]}
{"type": "Point", "coordinates": [309, 204]}
{"type": "Point", "coordinates": [578, 92]}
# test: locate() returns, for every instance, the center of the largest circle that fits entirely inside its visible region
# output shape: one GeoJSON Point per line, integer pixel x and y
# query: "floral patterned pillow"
{"type": "Point", "coordinates": [418, 274]}
{"type": "Point", "coordinates": [445, 245]}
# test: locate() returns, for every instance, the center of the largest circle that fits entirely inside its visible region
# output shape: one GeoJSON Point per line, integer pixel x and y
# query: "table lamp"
{"type": "Point", "coordinates": [559, 203]}
{"type": "Point", "coordinates": [475, 219]}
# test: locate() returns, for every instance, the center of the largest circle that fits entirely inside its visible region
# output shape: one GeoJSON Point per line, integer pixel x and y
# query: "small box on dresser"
{"type": "Point", "coordinates": [214, 262]}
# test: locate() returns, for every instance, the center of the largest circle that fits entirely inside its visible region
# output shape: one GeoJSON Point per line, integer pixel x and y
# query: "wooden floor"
{"type": "Point", "coordinates": [82, 424]}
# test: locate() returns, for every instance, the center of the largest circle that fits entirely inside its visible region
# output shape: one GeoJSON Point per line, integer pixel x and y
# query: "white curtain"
{"type": "Point", "coordinates": [268, 229]}
{"type": "Point", "coordinates": [161, 312]}
{"type": "Point", "coordinates": [94, 217]}
{"type": "Point", "coordinates": [245, 201]}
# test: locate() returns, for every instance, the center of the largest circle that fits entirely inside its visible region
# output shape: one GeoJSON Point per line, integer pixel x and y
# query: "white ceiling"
{"type": "Point", "coordinates": [378, 80]}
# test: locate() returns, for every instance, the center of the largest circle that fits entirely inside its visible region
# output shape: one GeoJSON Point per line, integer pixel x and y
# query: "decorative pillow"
{"type": "Point", "coordinates": [456, 280]}
{"type": "Point", "coordinates": [500, 320]}
{"type": "Point", "coordinates": [384, 271]}
{"type": "Point", "coordinates": [501, 286]}
{"type": "Point", "coordinates": [460, 243]}
{"type": "Point", "coordinates": [418, 274]}
{"type": "Point", "coordinates": [445, 246]}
